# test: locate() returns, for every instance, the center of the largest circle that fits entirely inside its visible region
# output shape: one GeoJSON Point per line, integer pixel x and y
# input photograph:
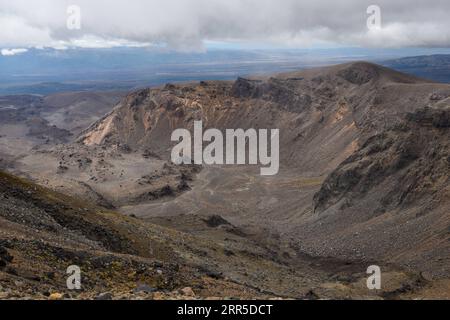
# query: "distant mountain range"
{"type": "Point", "coordinates": [433, 67]}
{"type": "Point", "coordinates": [51, 71]}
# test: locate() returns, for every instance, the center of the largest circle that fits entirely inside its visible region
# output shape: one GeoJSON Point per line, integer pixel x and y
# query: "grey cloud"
{"type": "Point", "coordinates": [186, 24]}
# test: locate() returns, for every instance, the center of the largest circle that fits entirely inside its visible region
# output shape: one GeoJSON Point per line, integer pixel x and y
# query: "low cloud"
{"type": "Point", "coordinates": [187, 24]}
{"type": "Point", "coordinates": [12, 52]}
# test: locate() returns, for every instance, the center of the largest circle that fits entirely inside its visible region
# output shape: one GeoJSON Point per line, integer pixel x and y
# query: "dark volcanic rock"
{"type": "Point", "coordinates": [215, 221]}
{"type": "Point", "coordinates": [5, 257]}
{"type": "Point", "coordinates": [144, 289]}
{"type": "Point", "coordinates": [359, 73]}
{"type": "Point", "coordinates": [419, 167]}
{"type": "Point", "coordinates": [104, 296]}
{"type": "Point", "coordinates": [431, 117]}
{"type": "Point", "coordinates": [280, 91]}
{"type": "Point", "coordinates": [245, 88]}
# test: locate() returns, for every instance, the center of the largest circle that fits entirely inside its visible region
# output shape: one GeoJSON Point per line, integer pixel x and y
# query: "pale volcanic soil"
{"type": "Point", "coordinates": [241, 195]}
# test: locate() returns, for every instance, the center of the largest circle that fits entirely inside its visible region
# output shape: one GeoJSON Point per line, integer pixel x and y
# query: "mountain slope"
{"type": "Point", "coordinates": [364, 175]}
{"type": "Point", "coordinates": [329, 105]}
{"type": "Point", "coordinates": [359, 124]}
{"type": "Point", "coordinates": [434, 67]}
{"type": "Point", "coordinates": [391, 198]}
{"type": "Point", "coordinates": [43, 232]}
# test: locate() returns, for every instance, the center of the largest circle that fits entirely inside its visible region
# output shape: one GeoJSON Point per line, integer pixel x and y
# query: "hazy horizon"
{"type": "Point", "coordinates": [44, 71]}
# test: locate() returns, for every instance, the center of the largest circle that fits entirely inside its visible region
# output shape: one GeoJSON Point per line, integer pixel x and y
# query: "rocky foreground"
{"type": "Point", "coordinates": [43, 232]}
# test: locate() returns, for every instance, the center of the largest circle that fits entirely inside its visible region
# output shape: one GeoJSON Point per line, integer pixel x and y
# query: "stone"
{"type": "Point", "coordinates": [144, 288]}
{"type": "Point", "coordinates": [158, 296]}
{"type": "Point", "coordinates": [188, 292]}
{"type": "Point", "coordinates": [104, 296]}
{"type": "Point", "coordinates": [55, 296]}
{"type": "Point", "coordinates": [4, 295]}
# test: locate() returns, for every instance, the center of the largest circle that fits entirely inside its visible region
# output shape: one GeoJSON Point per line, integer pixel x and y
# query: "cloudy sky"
{"type": "Point", "coordinates": [187, 25]}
